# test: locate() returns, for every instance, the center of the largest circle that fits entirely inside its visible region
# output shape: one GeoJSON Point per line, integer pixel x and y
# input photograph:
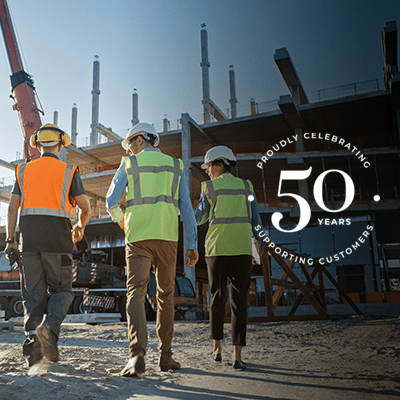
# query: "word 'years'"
{"type": "Point", "coordinates": [339, 221]}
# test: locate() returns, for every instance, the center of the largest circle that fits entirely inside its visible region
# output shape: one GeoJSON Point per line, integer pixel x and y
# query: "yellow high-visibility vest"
{"type": "Point", "coordinates": [152, 196]}
{"type": "Point", "coordinates": [230, 216]}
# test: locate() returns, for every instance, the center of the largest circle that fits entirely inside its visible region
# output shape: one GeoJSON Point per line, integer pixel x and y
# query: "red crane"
{"type": "Point", "coordinates": [22, 88]}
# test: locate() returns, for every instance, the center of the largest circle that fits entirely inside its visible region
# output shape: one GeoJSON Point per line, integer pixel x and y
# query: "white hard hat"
{"type": "Point", "coordinates": [143, 129]}
{"type": "Point", "coordinates": [218, 153]}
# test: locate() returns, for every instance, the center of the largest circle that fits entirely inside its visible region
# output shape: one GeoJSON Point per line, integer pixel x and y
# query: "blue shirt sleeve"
{"type": "Point", "coordinates": [186, 210]}
{"type": "Point", "coordinates": [203, 209]}
{"type": "Point", "coordinates": [115, 192]}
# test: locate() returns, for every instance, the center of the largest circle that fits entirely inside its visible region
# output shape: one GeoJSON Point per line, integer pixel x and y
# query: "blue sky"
{"type": "Point", "coordinates": [154, 46]}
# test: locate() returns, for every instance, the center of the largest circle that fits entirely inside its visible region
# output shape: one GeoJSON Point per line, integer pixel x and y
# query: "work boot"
{"type": "Point", "coordinates": [32, 350]}
{"type": "Point", "coordinates": [239, 365]}
{"type": "Point", "coordinates": [135, 366]}
{"type": "Point", "coordinates": [167, 364]}
{"type": "Point", "coordinates": [48, 340]}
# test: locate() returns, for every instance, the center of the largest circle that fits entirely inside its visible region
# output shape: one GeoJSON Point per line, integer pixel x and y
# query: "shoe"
{"type": "Point", "coordinates": [135, 366]}
{"type": "Point", "coordinates": [48, 341]}
{"type": "Point", "coordinates": [32, 350]}
{"type": "Point", "coordinates": [167, 364]}
{"type": "Point", "coordinates": [239, 365]}
{"type": "Point", "coordinates": [217, 357]}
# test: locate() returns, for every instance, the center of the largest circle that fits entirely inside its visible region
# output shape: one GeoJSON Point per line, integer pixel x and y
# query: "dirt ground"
{"type": "Point", "coordinates": [350, 358]}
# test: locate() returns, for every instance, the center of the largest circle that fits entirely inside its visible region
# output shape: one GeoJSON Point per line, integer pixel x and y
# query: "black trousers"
{"type": "Point", "coordinates": [237, 269]}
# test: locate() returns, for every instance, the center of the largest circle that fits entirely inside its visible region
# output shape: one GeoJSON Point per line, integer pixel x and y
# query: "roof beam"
{"type": "Point", "coordinates": [290, 76]}
{"type": "Point", "coordinates": [201, 130]}
{"type": "Point", "coordinates": [290, 112]}
{"type": "Point", "coordinates": [216, 112]}
{"type": "Point", "coordinates": [84, 154]}
{"type": "Point", "coordinates": [108, 133]}
{"type": "Point", "coordinates": [6, 164]}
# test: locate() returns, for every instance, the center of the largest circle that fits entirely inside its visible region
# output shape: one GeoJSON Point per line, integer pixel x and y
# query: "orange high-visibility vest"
{"type": "Point", "coordinates": [45, 184]}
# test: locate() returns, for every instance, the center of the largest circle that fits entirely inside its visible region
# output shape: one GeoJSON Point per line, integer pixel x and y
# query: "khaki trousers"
{"type": "Point", "coordinates": [139, 258]}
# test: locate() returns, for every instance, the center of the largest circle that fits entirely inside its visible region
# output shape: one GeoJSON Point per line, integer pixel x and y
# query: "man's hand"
{"type": "Point", "coordinates": [77, 233]}
{"type": "Point", "coordinates": [84, 216]}
{"type": "Point", "coordinates": [191, 257]}
{"type": "Point", "coordinates": [121, 223]}
{"type": "Point", "coordinates": [11, 252]}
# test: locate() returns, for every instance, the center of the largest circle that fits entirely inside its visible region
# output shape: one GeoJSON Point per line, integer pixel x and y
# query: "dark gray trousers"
{"type": "Point", "coordinates": [44, 274]}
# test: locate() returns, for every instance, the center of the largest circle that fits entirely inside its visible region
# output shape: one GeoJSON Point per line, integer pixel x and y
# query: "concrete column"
{"type": "Point", "coordinates": [93, 206]}
{"type": "Point", "coordinates": [95, 102]}
{"type": "Point", "coordinates": [253, 107]}
{"type": "Point", "coordinates": [74, 125]}
{"type": "Point", "coordinates": [232, 89]}
{"type": "Point", "coordinates": [166, 125]}
{"type": "Point", "coordinates": [186, 155]}
{"type": "Point", "coordinates": [135, 108]}
{"type": "Point", "coordinates": [55, 118]}
{"type": "Point", "coordinates": [205, 70]}
{"type": "Point", "coordinates": [63, 152]}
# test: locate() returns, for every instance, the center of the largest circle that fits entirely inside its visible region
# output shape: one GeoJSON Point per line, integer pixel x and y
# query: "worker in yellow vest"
{"type": "Point", "coordinates": [45, 190]}
{"type": "Point", "coordinates": [229, 205]}
{"type": "Point", "coordinates": [155, 188]}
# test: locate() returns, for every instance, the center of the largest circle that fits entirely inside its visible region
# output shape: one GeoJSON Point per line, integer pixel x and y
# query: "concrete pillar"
{"type": "Point", "coordinates": [95, 102]}
{"type": "Point", "coordinates": [253, 107]}
{"type": "Point", "coordinates": [232, 90]}
{"type": "Point", "coordinates": [74, 125]}
{"type": "Point", "coordinates": [205, 70]}
{"type": "Point", "coordinates": [166, 125]}
{"type": "Point", "coordinates": [135, 108]}
{"type": "Point", "coordinates": [186, 155]}
{"type": "Point", "coordinates": [55, 118]}
{"type": "Point", "coordinates": [63, 152]}
{"type": "Point", "coordinates": [94, 206]}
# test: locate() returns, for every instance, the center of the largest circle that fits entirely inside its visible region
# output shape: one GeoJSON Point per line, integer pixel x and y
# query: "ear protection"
{"type": "Point", "coordinates": [63, 136]}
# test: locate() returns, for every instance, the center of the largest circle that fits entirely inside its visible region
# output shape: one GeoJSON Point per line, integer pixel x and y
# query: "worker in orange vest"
{"type": "Point", "coordinates": [45, 190]}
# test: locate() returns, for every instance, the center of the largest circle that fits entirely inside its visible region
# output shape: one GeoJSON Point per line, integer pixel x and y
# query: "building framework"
{"type": "Point", "coordinates": [354, 129]}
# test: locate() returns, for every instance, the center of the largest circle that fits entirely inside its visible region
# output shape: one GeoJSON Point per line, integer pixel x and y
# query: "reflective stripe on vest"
{"type": "Point", "coordinates": [232, 192]}
{"type": "Point", "coordinates": [152, 197]}
{"type": "Point", "coordinates": [135, 170]}
{"type": "Point", "coordinates": [230, 219]}
{"type": "Point", "coordinates": [62, 209]}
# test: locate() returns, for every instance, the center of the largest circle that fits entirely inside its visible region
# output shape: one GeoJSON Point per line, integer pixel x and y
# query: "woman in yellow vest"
{"type": "Point", "coordinates": [228, 203]}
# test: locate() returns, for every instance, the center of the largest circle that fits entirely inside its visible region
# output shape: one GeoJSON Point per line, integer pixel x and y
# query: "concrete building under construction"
{"type": "Point", "coordinates": [350, 131]}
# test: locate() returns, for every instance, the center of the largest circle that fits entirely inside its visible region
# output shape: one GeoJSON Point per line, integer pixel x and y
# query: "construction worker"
{"type": "Point", "coordinates": [46, 191]}
{"type": "Point", "coordinates": [156, 188]}
{"type": "Point", "coordinates": [229, 204]}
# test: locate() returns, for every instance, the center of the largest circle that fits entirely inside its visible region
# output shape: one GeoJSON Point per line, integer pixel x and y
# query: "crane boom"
{"type": "Point", "coordinates": [22, 86]}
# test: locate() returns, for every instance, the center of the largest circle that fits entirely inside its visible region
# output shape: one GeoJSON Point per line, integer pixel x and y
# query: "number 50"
{"type": "Point", "coordinates": [305, 210]}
